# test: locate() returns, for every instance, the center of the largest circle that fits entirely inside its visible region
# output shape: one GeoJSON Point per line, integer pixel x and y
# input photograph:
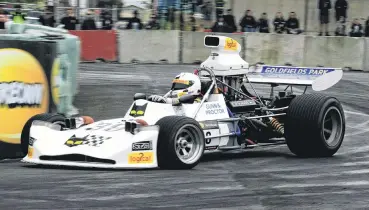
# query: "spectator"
{"type": "Point", "coordinates": [153, 24]}
{"type": "Point", "coordinates": [47, 19]}
{"type": "Point", "coordinates": [3, 17]}
{"type": "Point", "coordinates": [367, 28]}
{"type": "Point", "coordinates": [324, 7]}
{"type": "Point", "coordinates": [293, 24]}
{"type": "Point", "coordinates": [230, 20]}
{"type": "Point", "coordinates": [221, 27]}
{"type": "Point", "coordinates": [356, 29]}
{"type": "Point", "coordinates": [207, 11]}
{"type": "Point", "coordinates": [107, 21]}
{"type": "Point", "coordinates": [89, 22]}
{"type": "Point", "coordinates": [248, 22]}
{"type": "Point", "coordinates": [219, 4]}
{"type": "Point", "coordinates": [279, 23]}
{"type": "Point", "coordinates": [69, 21]}
{"type": "Point", "coordinates": [17, 15]}
{"type": "Point", "coordinates": [263, 23]}
{"type": "Point", "coordinates": [199, 6]}
{"type": "Point", "coordinates": [341, 27]}
{"type": "Point", "coordinates": [135, 22]}
{"type": "Point", "coordinates": [341, 9]}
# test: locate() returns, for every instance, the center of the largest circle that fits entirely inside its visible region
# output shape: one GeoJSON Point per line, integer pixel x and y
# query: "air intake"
{"type": "Point", "coordinates": [77, 158]}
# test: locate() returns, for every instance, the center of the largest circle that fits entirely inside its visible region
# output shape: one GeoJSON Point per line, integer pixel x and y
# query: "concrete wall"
{"type": "Point", "coordinates": [366, 55]}
{"type": "Point", "coordinates": [148, 46]}
{"type": "Point", "coordinates": [274, 49]}
{"type": "Point", "coordinates": [334, 52]}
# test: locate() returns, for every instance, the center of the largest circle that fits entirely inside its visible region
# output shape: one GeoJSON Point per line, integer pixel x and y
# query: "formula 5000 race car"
{"type": "Point", "coordinates": [229, 117]}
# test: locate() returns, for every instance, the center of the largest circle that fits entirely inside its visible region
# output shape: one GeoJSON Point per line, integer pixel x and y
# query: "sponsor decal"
{"type": "Point", "coordinates": [89, 140]}
{"type": "Point", "coordinates": [295, 70]}
{"type": "Point", "coordinates": [180, 94]}
{"type": "Point", "coordinates": [30, 152]}
{"type": "Point", "coordinates": [242, 103]}
{"type": "Point", "coordinates": [24, 92]}
{"type": "Point", "coordinates": [211, 148]}
{"type": "Point", "coordinates": [137, 110]}
{"type": "Point", "coordinates": [140, 158]}
{"type": "Point", "coordinates": [230, 44]}
{"type": "Point", "coordinates": [214, 109]}
{"type": "Point", "coordinates": [142, 145]}
{"type": "Point", "coordinates": [207, 125]}
{"type": "Point", "coordinates": [31, 141]}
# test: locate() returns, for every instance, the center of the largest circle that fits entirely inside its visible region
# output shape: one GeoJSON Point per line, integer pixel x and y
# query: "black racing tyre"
{"type": "Point", "coordinates": [47, 117]}
{"type": "Point", "coordinates": [181, 143]}
{"type": "Point", "coordinates": [315, 125]}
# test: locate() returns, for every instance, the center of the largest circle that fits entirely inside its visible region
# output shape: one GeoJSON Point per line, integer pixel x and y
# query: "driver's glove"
{"type": "Point", "coordinates": [156, 98]}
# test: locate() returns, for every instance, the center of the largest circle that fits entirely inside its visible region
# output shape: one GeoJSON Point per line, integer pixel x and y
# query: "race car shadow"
{"type": "Point", "coordinates": [249, 154]}
{"type": "Point", "coordinates": [75, 168]}
{"type": "Point", "coordinates": [245, 154]}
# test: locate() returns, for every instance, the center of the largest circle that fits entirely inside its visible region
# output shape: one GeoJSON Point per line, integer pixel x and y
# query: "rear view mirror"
{"type": "Point", "coordinates": [139, 96]}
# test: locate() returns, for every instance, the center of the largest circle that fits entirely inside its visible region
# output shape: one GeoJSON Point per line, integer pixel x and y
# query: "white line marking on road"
{"type": "Point", "coordinates": [359, 163]}
{"type": "Point", "coordinates": [356, 113]}
{"type": "Point", "coordinates": [355, 150]}
{"type": "Point", "coordinates": [362, 171]}
{"type": "Point", "coordinates": [353, 183]}
{"type": "Point", "coordinates": [358, 132]}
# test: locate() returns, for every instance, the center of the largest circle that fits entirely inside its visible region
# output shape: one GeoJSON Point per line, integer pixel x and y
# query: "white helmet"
{"type": "Point", "coordinates": [186, 83]}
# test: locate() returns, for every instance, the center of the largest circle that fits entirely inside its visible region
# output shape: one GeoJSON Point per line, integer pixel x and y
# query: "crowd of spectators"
{"type": "Point", "coordinates": [225, 21]}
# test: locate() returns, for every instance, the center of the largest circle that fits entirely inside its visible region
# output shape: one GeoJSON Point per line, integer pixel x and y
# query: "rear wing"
{"type": "Point", "coordinates": [319, 78]}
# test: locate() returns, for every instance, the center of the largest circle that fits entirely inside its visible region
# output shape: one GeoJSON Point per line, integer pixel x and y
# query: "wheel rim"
{"type": "Point", "coordinates": [189, 144]}
{"type": "Point", "coordinates": [332, 126]}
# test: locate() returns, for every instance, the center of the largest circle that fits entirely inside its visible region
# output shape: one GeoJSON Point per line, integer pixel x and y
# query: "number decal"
{"type": "Point", "coordinates": [208, 141]}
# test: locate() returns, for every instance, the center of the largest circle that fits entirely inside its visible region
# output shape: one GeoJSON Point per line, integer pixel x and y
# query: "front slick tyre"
{"type": "Point", "coordinates": [181, 143]}
{"type": "Point", "coordinates": [315, 126]}
{"type": "Point", "coordinates": [47, 117]}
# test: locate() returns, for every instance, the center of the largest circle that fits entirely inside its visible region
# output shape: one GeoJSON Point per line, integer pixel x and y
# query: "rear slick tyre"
{"type": "Point", "coordinates": [315, 125]}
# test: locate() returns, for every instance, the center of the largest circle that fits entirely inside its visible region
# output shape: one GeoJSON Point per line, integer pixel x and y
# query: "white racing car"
{"type": "Point", "coordinates": [228, 117]}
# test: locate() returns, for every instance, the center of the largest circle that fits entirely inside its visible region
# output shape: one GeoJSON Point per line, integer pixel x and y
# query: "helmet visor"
{"type": "Point", "coordinates": [180, 84]}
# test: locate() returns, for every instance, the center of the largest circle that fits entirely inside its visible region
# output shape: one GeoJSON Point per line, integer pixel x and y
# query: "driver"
{"type": "Point", "coordinates": [183, 84]}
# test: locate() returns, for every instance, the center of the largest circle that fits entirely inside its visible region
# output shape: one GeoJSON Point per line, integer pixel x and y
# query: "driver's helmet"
{"type": "Point", "coordinates": [186, 84]}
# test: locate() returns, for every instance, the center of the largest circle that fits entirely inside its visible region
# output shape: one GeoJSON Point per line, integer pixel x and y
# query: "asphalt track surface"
{"type": "Point", "coordinates": [265, 178]}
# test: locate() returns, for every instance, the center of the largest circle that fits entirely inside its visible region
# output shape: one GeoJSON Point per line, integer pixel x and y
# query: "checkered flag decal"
{"type": "Point", "coordinates": [95, 140]}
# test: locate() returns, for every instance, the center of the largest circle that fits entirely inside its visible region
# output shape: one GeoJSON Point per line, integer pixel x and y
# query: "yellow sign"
{"type": "Point", "coordinates": [230, 44]}
{"type": "Point", "coordinates": [24, 92]}
{"type": "Point", "coordinates": [30, 152]}
{"type": "Point", "coordinates": [55, 81]}
{"type": "Point", "coordinates": [140, 157]}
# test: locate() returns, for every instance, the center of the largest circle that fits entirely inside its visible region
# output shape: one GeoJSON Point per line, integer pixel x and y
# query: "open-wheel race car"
{"type": "Point", "coordinates": [231, 115]}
